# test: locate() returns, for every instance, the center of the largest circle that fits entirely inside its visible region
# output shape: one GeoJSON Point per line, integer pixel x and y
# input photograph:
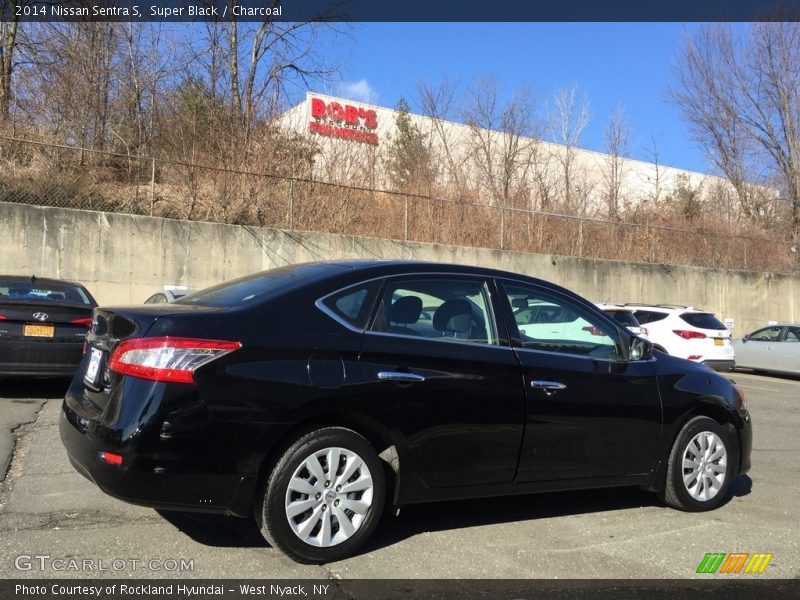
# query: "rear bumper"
{"type": "Point", "coordinates": [157, 487]}
{"type": "Point", "coordinates": [39, 359]}
{"type": "Point", "coordinates": [720, 364]}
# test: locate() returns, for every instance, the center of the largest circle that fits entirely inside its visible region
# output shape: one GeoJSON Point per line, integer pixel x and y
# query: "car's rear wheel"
{"type": "Point", "coordinates": [700, 470]}
{"type": "Point", "coordinates": [324, 497]}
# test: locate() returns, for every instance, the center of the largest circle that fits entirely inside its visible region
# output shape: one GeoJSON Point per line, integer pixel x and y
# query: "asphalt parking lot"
{"type": "Point", "coordinates": [47, 509]}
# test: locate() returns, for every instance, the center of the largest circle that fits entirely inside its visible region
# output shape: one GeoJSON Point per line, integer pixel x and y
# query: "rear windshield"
{"type": "Point", "coordinates": [703, 321]}
{"type": "Point", "coordinates": [23, 290]}
{"type": "Point", "coordinates": [624, 316]}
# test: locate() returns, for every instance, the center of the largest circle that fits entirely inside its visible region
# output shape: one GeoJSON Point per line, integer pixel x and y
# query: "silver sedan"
{"type": "Point", "coordinates": [775, 348]}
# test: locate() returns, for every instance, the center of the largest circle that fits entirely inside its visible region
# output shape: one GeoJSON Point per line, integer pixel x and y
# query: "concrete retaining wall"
{"type": "Point", "coordinates": [126, 258]}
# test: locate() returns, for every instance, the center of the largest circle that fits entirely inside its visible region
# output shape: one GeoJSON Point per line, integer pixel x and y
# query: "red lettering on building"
{"type": "Point", "coordinates": [343, 133]}
{"type": "Point", "coordinates": [346, 122]}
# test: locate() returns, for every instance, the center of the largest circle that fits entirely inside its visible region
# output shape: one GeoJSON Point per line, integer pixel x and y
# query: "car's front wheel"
{"type": "Point", "coordinates": [324, 497]}
{"type": "Point", "coordinates": [699, 471]}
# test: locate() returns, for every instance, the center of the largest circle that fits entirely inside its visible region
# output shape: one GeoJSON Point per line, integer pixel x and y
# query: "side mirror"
{"type": "Point", "coordinates": [640, 349]}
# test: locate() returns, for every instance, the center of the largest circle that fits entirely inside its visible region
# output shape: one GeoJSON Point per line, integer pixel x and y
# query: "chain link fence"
{"type": "Point", "coordinates": [46, 174]}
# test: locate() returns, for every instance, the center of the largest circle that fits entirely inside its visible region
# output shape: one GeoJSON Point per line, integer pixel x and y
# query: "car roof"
{"type": "Point", "coordinates": [350, 269]}
{"type": "Point", "coordinates": [27, 279]}
{"type": "Point", "coordinates": [666, 307]}
{"type": "Point", "coordinates": [613, 306]}
{"type": "Point", "coordinates": [394, 266]}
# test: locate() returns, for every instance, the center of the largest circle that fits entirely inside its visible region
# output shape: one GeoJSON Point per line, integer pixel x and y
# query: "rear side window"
{"type": "Point", "coordinates": [444, 309]}
{"type": "Point", "coordinates": [792, 334]}
{"type": "Point", "coordinates": [703, 321]}
{"type": "Point", "coordinates": [649, 316]}
{"type": "Point", "coordinates": [623, 316]}
{"type": "Point", "coordinates": [352, 306]}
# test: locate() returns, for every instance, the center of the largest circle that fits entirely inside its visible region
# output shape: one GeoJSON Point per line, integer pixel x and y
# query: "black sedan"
{"type": "Point", "coordinates": [43, 323]}
{"type": "Point", "coordinates": [313, 396]}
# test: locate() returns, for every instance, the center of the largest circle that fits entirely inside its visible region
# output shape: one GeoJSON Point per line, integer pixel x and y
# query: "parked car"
{"type": "Point", "coordinates": [625, 316]}
{"type": "Point", "coordinates": [313, 396]}
{"type": "Point", "coordinates": [43, 323]}
{"type": "Point", "coordinates": [688, 333]}
{"type": "Point", "coordinates": [775, 348]}
{"type": "Point", "coordinates": [167, 295]}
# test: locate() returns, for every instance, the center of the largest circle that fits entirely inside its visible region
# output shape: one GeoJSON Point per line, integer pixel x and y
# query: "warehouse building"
{"type": "Point", "coordinates": [353, 138]}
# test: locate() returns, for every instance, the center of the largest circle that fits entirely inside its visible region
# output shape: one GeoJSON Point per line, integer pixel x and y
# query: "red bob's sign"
{"type": "Point", "coordinates": [343, 121]}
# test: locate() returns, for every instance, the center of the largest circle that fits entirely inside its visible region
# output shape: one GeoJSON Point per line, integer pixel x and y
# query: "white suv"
{"type": "Point", "coordinates": [687, 332]}
{"type": "Point", "coordinates": [625, 316]}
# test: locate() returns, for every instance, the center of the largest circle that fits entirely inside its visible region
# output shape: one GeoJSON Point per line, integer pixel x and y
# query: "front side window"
{"type": "Point", "coordinates": [438, 309]}
{"type": "Point", "coordinates": [768, 334]}
{"type": "Point", "coordinates": [549, 323]}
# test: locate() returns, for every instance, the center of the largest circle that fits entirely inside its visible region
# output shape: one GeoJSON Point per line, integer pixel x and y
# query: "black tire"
{"type": "Point", "coordinates": [270, 508]}
{"type": "Point", "coordinates": [675, 492]}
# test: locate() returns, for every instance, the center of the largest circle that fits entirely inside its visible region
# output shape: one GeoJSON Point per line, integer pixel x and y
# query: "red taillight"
{"type": "Point", "coordinates": [694, 357]}
{"type": "Point", "coordinates": [110, 458]}
{"type": "Point", "coordinates": [85, 321]}
{"type": "Point", "coordinates": [689, 335]}
{"type": "Point", "coordinates": [167, 358]}
{"type": "Point", "coordinates": [594, 330]}
{"type": "Point", "coordinates": [3, 318]}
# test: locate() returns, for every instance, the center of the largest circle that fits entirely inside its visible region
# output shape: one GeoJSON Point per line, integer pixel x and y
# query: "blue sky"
{"type": "Point", "coordinates": [627, 63]}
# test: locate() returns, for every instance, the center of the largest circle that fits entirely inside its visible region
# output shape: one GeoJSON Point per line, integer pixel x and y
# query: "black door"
{"type": "Point", "coordinates": [434, 357]}
{"type": "Point", "coordinates": [590, 413]}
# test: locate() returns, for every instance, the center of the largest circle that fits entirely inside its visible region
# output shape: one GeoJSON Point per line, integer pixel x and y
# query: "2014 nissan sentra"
{"type": "Point", "coordinates": [315, 396]}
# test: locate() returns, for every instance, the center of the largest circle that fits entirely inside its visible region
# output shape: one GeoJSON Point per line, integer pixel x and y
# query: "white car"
{"type": "Point", "coordinates": [624, 315]}
{"type": "Point", "coordinates": [687, 332]}
{"type": "Point", "coordinates": [548, 321]}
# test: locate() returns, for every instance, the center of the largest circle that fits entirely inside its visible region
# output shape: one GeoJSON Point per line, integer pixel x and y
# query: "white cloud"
{"type": "Point", "coordinates": [359, 90]}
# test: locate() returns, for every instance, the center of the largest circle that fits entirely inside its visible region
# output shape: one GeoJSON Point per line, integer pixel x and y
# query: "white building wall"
{"type": "Point", "coordinates": [352, 162]}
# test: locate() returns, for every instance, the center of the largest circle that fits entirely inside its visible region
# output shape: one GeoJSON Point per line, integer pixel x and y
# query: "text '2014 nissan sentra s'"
{"type": "Point", "coordinates": [315, 396]}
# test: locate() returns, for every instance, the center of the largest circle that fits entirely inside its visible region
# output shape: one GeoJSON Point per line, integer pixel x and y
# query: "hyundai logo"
{"type": "Point", "coordinates": [40, 316]}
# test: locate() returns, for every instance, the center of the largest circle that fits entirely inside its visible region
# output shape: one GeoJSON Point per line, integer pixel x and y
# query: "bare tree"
{"type": "Point", "coordinates": [9, 42]}
{"type": "Point", "coordinates": [616, 135]}
{"type": "Point", "coordinates": [437, 102]}
{"type": "Point", "coordinates": [741, 95]}
{"type": "Point", "coordinates": [568, 119]}
{"type": "Point", "coordinates": [653, 155]}
{"type": "Point", "coordinates": [265, 60]}
{"type": "Point", "coordinates": [502, 137]}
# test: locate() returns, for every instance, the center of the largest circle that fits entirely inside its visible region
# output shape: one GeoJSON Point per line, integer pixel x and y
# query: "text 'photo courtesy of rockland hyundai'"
{"type": "Point", "coordinates": [314, 397]}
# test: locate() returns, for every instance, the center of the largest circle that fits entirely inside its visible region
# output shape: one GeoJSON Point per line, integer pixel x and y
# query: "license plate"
{"type": "Point", "coordinates": [93, 367]}
{"type": "Point", "coordinates": [38, 330]}
{"type": "Point", "coordinates": [719, 342]}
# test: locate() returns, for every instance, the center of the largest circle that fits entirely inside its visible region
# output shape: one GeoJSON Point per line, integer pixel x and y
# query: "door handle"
{"type": "Point", "coordinates": [399, 376]}
{"type": "Point", "coordinates": [548, 385]}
